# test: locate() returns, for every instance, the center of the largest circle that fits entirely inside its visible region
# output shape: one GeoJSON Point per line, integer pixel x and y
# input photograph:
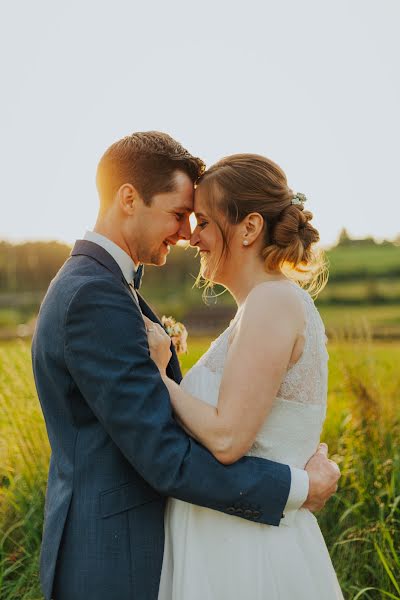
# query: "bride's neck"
{"type": "Point", "coordinates": [244, 280]}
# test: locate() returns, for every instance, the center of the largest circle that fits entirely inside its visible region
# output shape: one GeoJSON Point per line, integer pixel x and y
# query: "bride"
{"type": "Point", "coordinates": [259, 390]}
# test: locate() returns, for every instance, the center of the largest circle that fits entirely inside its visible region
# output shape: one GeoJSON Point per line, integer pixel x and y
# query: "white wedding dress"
{"type": "Point", "coordinates": [211, 555]}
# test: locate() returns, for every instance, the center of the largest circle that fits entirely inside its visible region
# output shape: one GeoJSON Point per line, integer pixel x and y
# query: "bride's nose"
{"type": "Point", "coordinates": [194, 238]}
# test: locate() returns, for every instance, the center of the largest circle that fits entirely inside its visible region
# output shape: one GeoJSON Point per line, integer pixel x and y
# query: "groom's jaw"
{"type": "Point", "coordinates": [169, 243]}
{"type": "Point", "coordinates": [167, 246]}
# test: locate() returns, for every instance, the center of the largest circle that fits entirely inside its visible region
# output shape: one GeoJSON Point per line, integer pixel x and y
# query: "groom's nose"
{"type": "Point", "coordinates": [184, 230]}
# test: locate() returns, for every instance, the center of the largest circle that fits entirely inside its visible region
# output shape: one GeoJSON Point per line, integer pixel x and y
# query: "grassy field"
{"type": "Point", "coordinates": [364, 279]}
{"type": "Point", "coordinates": [362, 321]}
{"type": "Point", "coordinates": [350, 262]}
{"type": "Point", "coordinates": [361, 523]}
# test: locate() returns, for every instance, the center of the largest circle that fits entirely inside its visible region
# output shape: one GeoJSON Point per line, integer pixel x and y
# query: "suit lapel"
{"type": "Point", "coordinates": [87, 248]}
{"type": "Point", "coordinates": [99, 254]}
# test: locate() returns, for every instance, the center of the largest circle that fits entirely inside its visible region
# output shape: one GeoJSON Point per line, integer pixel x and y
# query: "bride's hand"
{"type": "Point", "coordinates": [159, 344]}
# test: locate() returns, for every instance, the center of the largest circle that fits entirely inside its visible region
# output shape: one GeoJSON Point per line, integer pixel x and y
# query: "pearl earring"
{"type": "Point", "coordinates": [245, 242]}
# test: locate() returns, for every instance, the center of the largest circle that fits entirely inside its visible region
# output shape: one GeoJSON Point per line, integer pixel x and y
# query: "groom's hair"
{"type": "Point", "coordinates": [147, 160]}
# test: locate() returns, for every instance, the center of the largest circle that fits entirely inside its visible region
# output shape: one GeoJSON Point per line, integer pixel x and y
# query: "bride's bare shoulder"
{"type": "Point", "coordinates": [274, 307]}
{"type": "Point", "coordinates": [272, 296]}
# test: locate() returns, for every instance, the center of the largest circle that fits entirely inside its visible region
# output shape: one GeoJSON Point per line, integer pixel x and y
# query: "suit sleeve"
{"type": "Point", "coordinates": [107, 354]}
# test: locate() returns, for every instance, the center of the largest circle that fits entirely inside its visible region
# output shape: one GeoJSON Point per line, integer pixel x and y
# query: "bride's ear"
{"type": "Point", "coordinates": [253, 226]}
{"type": "Point", "coordinates": [127, 197]}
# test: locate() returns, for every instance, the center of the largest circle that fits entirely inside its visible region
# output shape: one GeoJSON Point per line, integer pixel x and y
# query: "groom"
{"type": "Point", "coordinates": [117, 451]}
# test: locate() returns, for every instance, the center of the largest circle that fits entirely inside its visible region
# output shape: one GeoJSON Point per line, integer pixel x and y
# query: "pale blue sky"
{"type": "Point", "coordinates": [312, 84]}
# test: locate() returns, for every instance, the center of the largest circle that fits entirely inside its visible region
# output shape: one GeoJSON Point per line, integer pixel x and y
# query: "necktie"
{"type": "Point", "coordinates": [137, 278]}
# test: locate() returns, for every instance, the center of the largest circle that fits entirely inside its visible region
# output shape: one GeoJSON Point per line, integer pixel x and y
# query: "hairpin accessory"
{"type": "Point", "coordinates": [299, 199]}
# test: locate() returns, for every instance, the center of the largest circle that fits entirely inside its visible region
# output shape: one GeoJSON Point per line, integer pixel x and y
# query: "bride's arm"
{"type": "Point", "coordinates": [255, 366]}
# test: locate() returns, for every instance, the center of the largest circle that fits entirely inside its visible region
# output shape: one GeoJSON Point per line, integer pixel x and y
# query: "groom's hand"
{"type": "Point", "coordinates": [323, 474]}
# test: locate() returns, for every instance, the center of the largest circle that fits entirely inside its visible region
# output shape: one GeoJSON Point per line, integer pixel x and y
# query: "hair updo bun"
{"type": "Point", "coordinates": [290, 239]}
{"type": "Point", "coordinates": [242, 184]}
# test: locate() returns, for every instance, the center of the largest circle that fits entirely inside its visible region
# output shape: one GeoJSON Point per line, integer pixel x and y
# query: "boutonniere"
{"type": "Point", "coordinates": [177, 332]}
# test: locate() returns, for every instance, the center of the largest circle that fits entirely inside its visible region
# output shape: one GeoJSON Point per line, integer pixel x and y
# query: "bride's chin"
{"type": "Point", "coordinates": [206, 273]}
{"type": "Point", "coordinates": [206, 268]}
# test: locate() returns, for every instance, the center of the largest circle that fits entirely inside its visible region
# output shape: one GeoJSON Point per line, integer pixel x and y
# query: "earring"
{"type": "Point", "coordinates": [245, 242]}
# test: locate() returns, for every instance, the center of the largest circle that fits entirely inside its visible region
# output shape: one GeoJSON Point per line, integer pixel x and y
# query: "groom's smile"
{"type": "Point", "coordinates": [165, 221]}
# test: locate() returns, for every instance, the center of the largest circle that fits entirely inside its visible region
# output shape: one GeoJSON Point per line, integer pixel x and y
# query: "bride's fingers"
{"type": "Point", "coordinates": [158, 334]}
{"type": "Point", "coordinates": [149, 325]}
{"type": "Point", "coordinates": [160, 329]}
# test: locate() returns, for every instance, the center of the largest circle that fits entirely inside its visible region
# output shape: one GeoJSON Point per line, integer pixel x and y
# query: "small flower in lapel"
{"type": "Point", "coordinates": [177, 332]}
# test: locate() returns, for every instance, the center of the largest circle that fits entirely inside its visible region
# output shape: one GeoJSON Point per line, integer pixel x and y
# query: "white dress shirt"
{"type": "Point", "coordinates": [299, 483]}
{"type": "Point", "coordinates": [123, 260]}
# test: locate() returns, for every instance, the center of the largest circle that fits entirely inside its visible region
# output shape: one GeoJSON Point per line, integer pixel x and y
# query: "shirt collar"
{"type": "Point", "coordinates": [122, 259]}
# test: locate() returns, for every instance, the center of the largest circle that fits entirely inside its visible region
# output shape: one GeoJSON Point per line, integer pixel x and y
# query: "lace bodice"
{"type": "Point", "coordinates": [292, 429]}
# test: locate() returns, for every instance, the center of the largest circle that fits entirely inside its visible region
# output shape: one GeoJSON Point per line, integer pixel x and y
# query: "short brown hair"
{"type": "Point", "coordinates": [147, 160]}
{"type": "Point", "coordinates": [241, 184]}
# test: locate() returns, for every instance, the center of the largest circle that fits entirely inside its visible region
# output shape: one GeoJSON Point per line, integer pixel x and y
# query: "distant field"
{"type": "Point", "coordinates": [379, 320]}
{"type": "Point", "coordinates": [364, 261]}
{"type": "Point", "coordinates": [363, 291]}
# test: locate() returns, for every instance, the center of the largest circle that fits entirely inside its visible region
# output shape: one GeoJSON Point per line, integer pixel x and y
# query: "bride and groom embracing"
{"type": "Point", "coordinates": [238, 436]}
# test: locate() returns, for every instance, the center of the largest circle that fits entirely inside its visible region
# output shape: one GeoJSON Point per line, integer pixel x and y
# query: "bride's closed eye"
{"type": "Point", "coordinates": [202, 224]}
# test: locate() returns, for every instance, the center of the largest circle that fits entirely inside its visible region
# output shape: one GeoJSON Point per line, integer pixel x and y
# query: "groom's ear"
{"type": "Point", "coordinates": [127, 198]}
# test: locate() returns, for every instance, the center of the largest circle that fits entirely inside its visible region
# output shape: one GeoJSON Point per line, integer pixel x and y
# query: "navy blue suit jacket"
{"type": "Point", "coordinates": [117, 451]}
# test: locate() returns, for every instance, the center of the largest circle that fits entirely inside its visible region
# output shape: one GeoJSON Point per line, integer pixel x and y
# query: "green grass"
{"type": "Point", "coordinates": [11, 317]}
{"type": "Point", "coordinates": [361, 523]}
{"type": "Point", "coordinates": [24, 454]}
{"type": "Point", "coordinates": [364, 261]}
{"type": "Point", "coordinates": [383, 291]}
{"type": "Point", "coordinates": [361, 321]}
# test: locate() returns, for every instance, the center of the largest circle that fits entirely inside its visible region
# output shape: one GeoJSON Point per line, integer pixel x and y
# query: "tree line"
{"type": "Point", "coordinates": [30, 266]}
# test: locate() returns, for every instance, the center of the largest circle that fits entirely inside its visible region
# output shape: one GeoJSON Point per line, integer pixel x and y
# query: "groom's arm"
{"type": "Point", "coordinates": [107, 353]}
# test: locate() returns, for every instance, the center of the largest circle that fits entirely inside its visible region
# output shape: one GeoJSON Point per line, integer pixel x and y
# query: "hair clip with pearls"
{"type": "Point", "coordinates": [299, 199]}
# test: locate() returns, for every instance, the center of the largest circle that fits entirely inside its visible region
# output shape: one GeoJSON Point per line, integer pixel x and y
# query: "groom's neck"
{"type": "Point", "coordinates": [114, 234]}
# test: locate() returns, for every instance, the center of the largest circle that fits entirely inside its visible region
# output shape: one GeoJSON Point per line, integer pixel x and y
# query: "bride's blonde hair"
{"type": "Point", "coordinates": [240, 184]}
